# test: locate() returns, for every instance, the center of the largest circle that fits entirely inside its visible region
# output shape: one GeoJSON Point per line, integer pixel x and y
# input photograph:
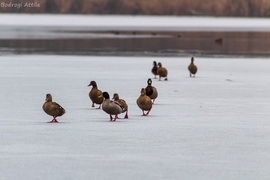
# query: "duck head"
{"type": "Point", "coordinates": [159, 64]}
{"type": "Point", "coordinates": [154, 63]}
{"type": "Point", "coordinates": [143, 92]}
{"type": "Point", "coordinates": [149, 81]}
{"type": "Point", "coordinates": [105, 95]}
{"type": "Point", "coordinates": [192, 59]}
{"type": "Point", "coordinates": [93, 83]}
{"type": "Point", "coordinates": [48, 97]}
{"type": "Point", "coordinates": [115, 97]}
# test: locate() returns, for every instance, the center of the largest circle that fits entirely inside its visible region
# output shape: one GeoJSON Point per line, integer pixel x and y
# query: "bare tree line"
{"type": "Point", "coordinates": [251, 8]}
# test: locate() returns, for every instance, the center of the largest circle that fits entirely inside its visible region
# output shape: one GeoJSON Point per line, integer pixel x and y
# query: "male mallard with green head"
{"type": "Point", "coordinates": [52, 108]}
{"type": "Point", "coordinates": [162, 72]}
{"type": "Point", "coordinates": [94, 94]}
{"type": "Point", "coordinates": [192, 68]}
{"type": "Point", "coordinates": [122, 102]}
{"type": "Point", "coordinates": [111, 107]}
{"type": "Point", "coordinates": [144, 102]}
{"type": "Point", "coordinates": [154, 69]}
{"type": "Point", "coordinates": [151, 91]}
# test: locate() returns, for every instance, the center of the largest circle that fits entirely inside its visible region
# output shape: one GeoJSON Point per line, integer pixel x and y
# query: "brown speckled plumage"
{"type": "Point", "coordinates": [52, 108]}
{"type": "Point", "coordinates": [94, 94]}
{"type": "Point", "coordinates": [111, 107]}
{"type": "Point", "coordinates": [122, 102]}
{"type": "Point", "coordinates": [162, 72]}
{"type": "Point", "coordinates": [144, 102]}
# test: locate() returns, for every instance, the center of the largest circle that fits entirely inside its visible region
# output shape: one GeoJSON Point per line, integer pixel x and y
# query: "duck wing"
{"type": "Point", "coordinates": [118, 104]}
{"type": "Point", "coordinates": [57, 109]}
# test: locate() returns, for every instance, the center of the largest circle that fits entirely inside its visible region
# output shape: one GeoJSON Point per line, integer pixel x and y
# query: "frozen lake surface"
{"type": "Point", "coordinates": [214, 126]}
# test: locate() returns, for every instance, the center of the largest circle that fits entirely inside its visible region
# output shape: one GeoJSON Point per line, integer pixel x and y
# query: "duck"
{"type": "Point", "coordinates": [192, 68]}
{"type": "Point", "coordinates": [144, 102]}
{"type": "Point", "coordinates": [162, 72]}
{"type": "Point", "coordinates": [111, 107]}
{"type": "Point", "coordinates": [94, 94]}
{"type": "Point", "coordinates": [52, 108]}
{"type": "Point", "coordinates": [123, 104]}
{"type": "Point", "coordinates": [154, 69]}
{"type": "Point", "coordinates": [151, 91]}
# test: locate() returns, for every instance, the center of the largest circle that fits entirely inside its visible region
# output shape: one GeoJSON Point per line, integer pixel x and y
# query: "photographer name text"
{"type": "Point", "coordinates": [20, 5]}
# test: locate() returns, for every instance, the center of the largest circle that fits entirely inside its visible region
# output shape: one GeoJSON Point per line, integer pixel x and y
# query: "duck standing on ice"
{"type": "Point", "coordinates": [94, 94]}
{"type": "Point", "coordinates": [151, 91]}
{"type": "Point", "coordinates": [192, 68]}
{"type": "Point", "coordinates": [111, 107]}
{"type": "Point", "coordinates": [162, 72]}
{"type": "Point", "coordinates": [122, 102]}
{"type": "Point", "coordinates": [144, 102]}
{"type": "Point", "coordinates": [52, 108]}
{"type": "Point", "coordinates": [154, 69]}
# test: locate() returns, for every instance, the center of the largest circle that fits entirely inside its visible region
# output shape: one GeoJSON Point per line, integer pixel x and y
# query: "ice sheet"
{"type": "Point", "coordinates": [214, 126]}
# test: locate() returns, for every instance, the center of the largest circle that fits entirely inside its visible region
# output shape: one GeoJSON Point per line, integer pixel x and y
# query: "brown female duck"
{"type": "Point", "coordinates": [154, 69]}
{"type": "Point", "coordinates": [122, 102]}
{"type": "Point", "coordinates": [52, 108]}
{"type": "Point", "coordinates": [192, 68]}
{"type": "Point", "coordinates": [151, 91]}
{"type": "Point", "coordinates": [111, 107]}
{"type": "Point", "coordinates": [94, 94]}
{"type": "Point", "coordinates": [144, 102]}
{"type": "Point", "coordinates": [162, 72]}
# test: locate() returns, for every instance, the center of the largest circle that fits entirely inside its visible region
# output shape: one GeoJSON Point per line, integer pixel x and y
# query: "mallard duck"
{"type": "Point", "coordinates": [52, 108]}
{"type": "Point", "coordinates": [151, 91]}
{"type": "Point", "coordinates": [122, 102]}
{"type": "Point", "coordinates": [192, 68]}
{"type": "Point", "coordinates": [162, 72]}
{"type": "Point", "coordinates": [94, 94]}
{"type": "Point", "coordinates": [144, 102]}
{"type": "Point", "coordinates": [154, 69]}
{"type": "Point", "coordinates": [111, 107]}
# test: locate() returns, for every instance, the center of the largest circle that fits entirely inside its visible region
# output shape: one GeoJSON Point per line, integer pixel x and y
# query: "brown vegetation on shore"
{"type": "Point", "coordinates": [252, 8]}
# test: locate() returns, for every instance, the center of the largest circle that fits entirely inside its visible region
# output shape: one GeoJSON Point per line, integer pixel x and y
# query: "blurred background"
{"type": "Point", "coordinates": [244, 8]}
{"type": "Point", "coordinates": [122, 39]}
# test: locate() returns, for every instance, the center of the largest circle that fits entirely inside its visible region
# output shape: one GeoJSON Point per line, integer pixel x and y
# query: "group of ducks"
{"type": "Point", "coordinates": [117, 106]}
